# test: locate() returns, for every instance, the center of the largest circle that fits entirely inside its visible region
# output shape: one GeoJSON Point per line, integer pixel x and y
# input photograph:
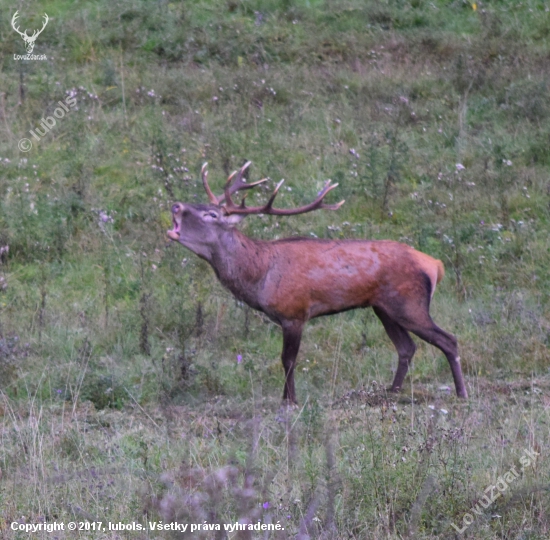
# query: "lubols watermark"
{"type": "Point", "coordinates": [492, 493]}
{"type": "Point", "coordinates": [29, 40]}
{"type": "Point", "coordinates": [48, 123]}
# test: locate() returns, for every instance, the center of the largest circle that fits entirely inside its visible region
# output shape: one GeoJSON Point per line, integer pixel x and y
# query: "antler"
{"type": "Point", "coordinates": [24, 34]}
{"type": "Point", "coordinates": [38, 32]}
{"type": "Point", "coordinates": [204, 173]}
{"type": "Point", "coordinates": [235, 183]}
{"type": "Point", "coordinates": [16, 28]}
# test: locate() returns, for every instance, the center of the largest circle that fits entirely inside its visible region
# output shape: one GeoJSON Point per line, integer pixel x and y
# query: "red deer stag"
{"type": "Point", "coordinates": [295, 279]}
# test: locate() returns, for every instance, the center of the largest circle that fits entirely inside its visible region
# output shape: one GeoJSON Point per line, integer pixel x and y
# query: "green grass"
{"type": "Point", "coordinates": [121, 398]}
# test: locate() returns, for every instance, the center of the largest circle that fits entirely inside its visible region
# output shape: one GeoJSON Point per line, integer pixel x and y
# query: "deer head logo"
{"type": "Point", "coordinates": [29, 40]}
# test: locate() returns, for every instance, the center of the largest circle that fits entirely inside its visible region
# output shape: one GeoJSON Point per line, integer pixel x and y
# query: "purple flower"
{"type": "Point", "coordinates": [105, 218]}
{"type": "Point", "coordinates": [59, 391]}
{"type": "Point", "coordinates": [239, 358]}
{"type": "Point", "coordinates": [265, 505]}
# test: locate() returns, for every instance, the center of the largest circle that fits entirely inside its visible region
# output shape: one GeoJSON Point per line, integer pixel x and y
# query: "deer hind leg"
{"type": "Point", "coordinates": [403, 343]}
{"type": "Point", "coordinates": [423, 326]}
{"type": "Point", "coordinates": [447, 343]}
{"type": "Point", "coordinates": [414, 316]}
{"type": "Point", "coordinates": [292, 335]}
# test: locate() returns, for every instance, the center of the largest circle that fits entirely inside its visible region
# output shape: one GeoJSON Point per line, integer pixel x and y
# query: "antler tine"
{"type": "Point", "coordinates": [235, 183]}
{"type": "Point", "coordinates": [269, 204]}
{"type": "Point", "coordinates": [317, 204]}
{"type": "Point", "coordinates": [204, 173]}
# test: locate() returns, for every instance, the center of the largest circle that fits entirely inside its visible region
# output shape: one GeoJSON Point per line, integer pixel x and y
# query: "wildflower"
{"type": "Point", "coordinates": [105, 218]}
{"type": "Point", "coordinates": [265, 505]}
{"type": "Point", "coordinates": [239, 358]}
{"type": "Point", "coordinates": [459, 167]}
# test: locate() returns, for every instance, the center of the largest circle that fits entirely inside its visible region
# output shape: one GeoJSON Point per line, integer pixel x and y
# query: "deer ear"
{"type": "Point", "coordinates": [233, 219]}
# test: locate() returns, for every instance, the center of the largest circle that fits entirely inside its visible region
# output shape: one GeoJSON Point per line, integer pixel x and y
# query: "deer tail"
{"type": "Point", "coordinates": [440, 271]}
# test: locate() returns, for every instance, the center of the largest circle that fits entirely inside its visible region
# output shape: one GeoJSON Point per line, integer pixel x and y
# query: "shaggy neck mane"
{"type": "Point", "coordinates": [241, 264]}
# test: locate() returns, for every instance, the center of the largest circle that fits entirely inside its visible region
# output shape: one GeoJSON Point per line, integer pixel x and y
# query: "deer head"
{"type": "Point", "coordinates": [29, 40]}
{"type": "Point", "coordinates": [198, 225]}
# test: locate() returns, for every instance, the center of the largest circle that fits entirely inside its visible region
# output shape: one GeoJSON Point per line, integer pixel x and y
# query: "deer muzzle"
{"type": "Point", "coordinates": [174, 234]}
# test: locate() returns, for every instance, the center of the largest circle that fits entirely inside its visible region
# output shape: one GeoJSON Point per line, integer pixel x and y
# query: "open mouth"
{"type": "Point", "coordinates": [174, 234]}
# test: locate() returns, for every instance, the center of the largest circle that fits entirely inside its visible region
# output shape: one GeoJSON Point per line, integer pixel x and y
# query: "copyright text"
{"type": "Point", "coordinates": [101, 526]}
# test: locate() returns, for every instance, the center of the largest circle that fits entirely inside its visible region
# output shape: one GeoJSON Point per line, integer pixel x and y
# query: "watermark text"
{"type": "Point", "coordinates": [492, 493]}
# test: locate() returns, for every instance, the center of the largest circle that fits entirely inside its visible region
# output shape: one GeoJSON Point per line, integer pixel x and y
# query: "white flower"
{"type": "Point", "coordinates": [459, 167]}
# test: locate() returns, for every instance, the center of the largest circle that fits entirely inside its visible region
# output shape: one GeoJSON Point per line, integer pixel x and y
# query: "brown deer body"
{"type": "Point", "coordinates": [296, 279]}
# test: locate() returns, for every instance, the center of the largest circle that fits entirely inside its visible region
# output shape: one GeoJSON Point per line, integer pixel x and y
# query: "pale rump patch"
{"type": "Point", "coordinates": [433, 268]}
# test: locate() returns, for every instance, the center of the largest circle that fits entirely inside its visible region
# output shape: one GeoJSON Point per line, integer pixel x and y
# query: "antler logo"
{"type": "Point", "coordinates": [29, 40]}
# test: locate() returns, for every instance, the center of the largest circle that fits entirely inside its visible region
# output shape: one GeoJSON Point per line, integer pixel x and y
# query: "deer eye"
{"type": "Point", "coordinates": [212, 215]}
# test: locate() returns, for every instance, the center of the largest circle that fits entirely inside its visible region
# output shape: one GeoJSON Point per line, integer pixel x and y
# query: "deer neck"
{"type": "Point", "coordinates": [241, 264]}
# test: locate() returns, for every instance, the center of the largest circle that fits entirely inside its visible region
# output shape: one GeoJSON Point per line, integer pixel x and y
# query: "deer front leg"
{"type": "Point", "coordinates": [292, 335]}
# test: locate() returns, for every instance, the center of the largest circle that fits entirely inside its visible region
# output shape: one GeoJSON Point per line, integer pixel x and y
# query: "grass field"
{"type": "Point", "coordinates": [135, 389]}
